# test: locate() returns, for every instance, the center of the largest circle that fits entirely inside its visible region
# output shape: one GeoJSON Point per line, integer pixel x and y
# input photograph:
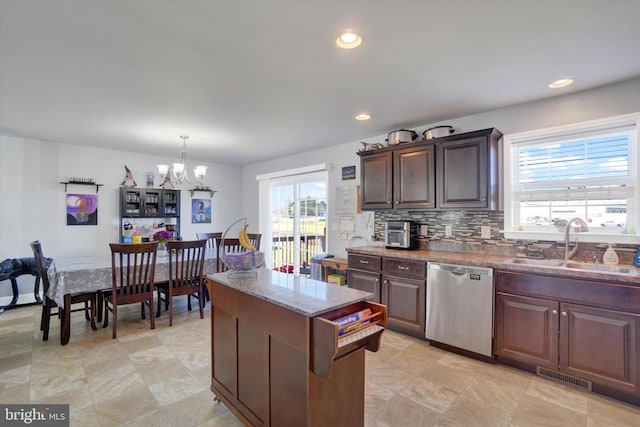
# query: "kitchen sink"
{"type": "Point", "coordinates": [598, 267]}
{"type": "Point", "coordinates": [574, 265]}
{"type": "Point", "coordinates": [539, 262]}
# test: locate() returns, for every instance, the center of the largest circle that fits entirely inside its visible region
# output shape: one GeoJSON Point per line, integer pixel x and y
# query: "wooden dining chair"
{"type": "Point", "coordinates": [255, 238]}
{"type": "Point", "coordinates": [226, 246]}
{"type": "Point", "coordinates": [132, 274]}
{"type": "Point", "coordinates": [210, 238]}
{"type": "Point", "coordinates": [186, 264]}
{"type": "Point", "coordinates": [49, 306]}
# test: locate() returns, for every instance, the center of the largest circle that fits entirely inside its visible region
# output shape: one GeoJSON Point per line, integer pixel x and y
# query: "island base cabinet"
{"type": "Point", "coordinates": [272, 366]}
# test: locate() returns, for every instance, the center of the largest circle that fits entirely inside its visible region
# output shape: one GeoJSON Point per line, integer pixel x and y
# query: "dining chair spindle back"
{"type": "Point", "coordinates": [186, 264]}
{"type": "Point", "coordinates": [132, 276]}
{"type": "Point", "coordinates": [210, 238]}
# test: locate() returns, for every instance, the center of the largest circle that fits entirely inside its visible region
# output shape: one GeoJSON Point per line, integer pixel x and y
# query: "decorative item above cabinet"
{"type": "Point", "coordinates": [454, 172]}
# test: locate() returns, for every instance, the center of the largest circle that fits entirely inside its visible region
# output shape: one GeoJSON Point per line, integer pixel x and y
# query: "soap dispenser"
{"type": "Point", "coordinates": [610, 256]}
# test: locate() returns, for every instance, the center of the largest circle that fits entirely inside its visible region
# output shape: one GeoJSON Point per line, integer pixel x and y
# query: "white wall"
{"type": "Point", "coordinates": [32, 202]}
{"type": "Point", "coordinates": [616, 99]}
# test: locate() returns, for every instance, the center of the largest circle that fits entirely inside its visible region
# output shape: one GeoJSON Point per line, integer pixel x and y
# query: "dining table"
{"type": "Point", "coordinates": [71, 275]}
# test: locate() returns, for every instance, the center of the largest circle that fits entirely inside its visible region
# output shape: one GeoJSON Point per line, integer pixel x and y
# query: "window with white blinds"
{"type": "Point", "coordinates": [587, 170]}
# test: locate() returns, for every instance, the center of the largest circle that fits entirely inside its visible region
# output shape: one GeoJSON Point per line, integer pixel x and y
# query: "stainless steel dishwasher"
{"type": "Point", "coordinates": [460, 306]}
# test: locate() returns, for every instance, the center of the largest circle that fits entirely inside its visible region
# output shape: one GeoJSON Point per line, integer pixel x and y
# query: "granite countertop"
{"type": "Point", "coordinates": [298, 293]}
{"type": "Point", "coordinates": [497, 261]}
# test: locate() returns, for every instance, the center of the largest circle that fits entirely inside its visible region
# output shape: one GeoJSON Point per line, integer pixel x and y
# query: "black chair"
{"type": "Point", "coordinates": [132, 275]}
{"type": "Point", "coordinates": [186, 264]}
{"type": "Point", "coordinates": [49, 306]}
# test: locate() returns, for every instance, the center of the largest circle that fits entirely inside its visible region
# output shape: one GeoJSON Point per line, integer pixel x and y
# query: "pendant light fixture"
{"type": "Point", "coordinates": [180, 169]}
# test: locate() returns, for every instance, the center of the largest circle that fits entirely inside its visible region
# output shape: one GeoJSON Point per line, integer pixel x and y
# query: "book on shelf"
{"type": "Point", "coordinates": [352, 321]}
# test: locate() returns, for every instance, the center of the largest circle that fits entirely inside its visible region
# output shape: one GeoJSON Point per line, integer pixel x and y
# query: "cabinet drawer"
{"type": "Point", "coordinates": [365, 262]}
{"type": "Point", "coordinates": [328, 345]}
{"type": "Point", "coordinates": [404, 268]}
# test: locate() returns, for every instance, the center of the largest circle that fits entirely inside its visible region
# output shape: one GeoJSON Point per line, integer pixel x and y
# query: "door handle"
{"type": "Point", "coordinates": [554, 312]}
{"type": "Point", "coordinates": [364, 262]}
{"type": "Point", "coordinates": [564, 314]}
{"type": "Point", "coordinates": [400, 267]}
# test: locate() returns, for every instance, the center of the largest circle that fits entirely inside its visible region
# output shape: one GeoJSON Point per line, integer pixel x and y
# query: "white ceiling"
{"type": "Point", "coordinates": [257, 80]}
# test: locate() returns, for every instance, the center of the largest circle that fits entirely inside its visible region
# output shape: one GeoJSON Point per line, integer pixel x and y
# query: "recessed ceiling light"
{"type": "Point", "coordinates": [349, 39]}
{"type": "Point", "coordinates": [560, 83]}
{"type": "Point", "coordinates": [363, 116]}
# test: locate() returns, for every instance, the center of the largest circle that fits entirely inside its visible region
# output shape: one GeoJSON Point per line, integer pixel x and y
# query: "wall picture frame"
{"type": "Point", "coordinates": [348, 172]}
{"type": "Point", "coordinates": [82, 209]}
{"type": "Point", "coordinates": [201, 211]}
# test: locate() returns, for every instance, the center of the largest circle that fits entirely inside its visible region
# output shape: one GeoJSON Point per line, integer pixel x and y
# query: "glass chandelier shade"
{"type": "Point", "coordinates": [180, 170]}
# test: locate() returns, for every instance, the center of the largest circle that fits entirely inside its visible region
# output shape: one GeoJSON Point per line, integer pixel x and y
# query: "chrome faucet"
{"type": "Point", "coordinates": [583, 229]}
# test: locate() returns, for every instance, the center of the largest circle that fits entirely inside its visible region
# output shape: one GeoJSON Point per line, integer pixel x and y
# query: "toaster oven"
{"type": "Point", "coordinates": [400, 234]}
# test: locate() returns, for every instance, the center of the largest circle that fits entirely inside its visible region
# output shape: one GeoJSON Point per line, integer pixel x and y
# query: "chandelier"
{"type": "Point", "coordinates": [180, 171]}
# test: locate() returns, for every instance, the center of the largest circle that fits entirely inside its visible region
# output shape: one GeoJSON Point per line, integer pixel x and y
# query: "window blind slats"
{"type": "Point", "coordinates": [571, 162]}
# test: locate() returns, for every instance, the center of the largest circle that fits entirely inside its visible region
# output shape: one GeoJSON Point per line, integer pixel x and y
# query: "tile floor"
{"type": "Point", "coordinates": [161, 378]}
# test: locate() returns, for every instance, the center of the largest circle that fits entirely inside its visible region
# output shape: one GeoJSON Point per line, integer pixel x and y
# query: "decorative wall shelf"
{"type": "Point", "coordinates": [205, 190]}
{"type": "Point", "coordinates": [80, 183]}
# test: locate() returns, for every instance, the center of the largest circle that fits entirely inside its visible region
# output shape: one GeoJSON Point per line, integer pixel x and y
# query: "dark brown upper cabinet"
{"type": "Point", "coordinates": [454, 172]}
{"type": "Point", "coordinates": [399, 178]}
{"type": "Point", "coordinates": [467, 171]}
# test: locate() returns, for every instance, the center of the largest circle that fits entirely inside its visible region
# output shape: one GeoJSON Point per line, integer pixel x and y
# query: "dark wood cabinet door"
{"type": "Point", "coordinates": [405, 301]}
{"type": "Point", "coordinates": [526, 330]}
{"type": "Point", "coordinates": [224, 369]}
{"type": "Point", "coordinates": [376, 171]}
{"type": "Point", "coordinates": [365, 281]}
{"type": "Point", "coordinates": [462, 173]}
{"type": "Point", "coordinates": [414, 178]}
{"type": "Point", "coordinates": [600, 345]}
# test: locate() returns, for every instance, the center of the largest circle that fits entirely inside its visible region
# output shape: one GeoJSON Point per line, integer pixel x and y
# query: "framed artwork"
{"type": "Point", "coordinates": [201, 211]}
{"type": "Point", "coordinates": [348, 172]}
{"type": "Point", "coordinates": [82, 209]}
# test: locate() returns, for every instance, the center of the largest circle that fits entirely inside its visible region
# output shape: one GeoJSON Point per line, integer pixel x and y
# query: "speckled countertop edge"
{"type": "Point", "coordinates": [497, 262]}
{"type": "Point", "coordinates": [297, 293]}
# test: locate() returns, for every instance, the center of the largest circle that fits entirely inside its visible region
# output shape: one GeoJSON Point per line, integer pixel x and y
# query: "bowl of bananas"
{"type": "Point", "coordinates": [239, 255]}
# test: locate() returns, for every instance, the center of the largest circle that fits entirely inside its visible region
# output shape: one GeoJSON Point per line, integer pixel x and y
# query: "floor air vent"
{"type": "Point", "coordinates": [565, 379]}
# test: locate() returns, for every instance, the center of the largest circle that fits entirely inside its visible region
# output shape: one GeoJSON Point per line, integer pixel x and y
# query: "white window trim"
{"type": "Point", "coordinates": [559, 131]}
{"type": "Point", "coordinates": [319, 171]}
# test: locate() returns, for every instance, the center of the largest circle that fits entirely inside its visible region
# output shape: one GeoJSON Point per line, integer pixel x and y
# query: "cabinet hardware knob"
{"type": "Point", "coordinates": [364, 262]}
{"type": "Point", "coordinates": [554, 312]}
{"type": "Point", "coordinates": [400, 267]}
{"type": "Point", "coordinates": [388, 201]}
{"type": "Point", "coordinates": [564, 314]}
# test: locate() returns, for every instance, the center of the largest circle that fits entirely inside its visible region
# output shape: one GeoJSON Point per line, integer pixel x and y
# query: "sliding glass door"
{"type": "Point", "coordinates": [298, 208]}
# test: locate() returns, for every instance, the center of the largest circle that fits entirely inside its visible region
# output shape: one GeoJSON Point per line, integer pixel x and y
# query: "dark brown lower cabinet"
{"type": "Point", "coordinates": [600, 345]}
{"type": "Point", "coordinates": [544, 321]}
{"type": "Point", "coordinates": [405, 301]}
{"type": "Point", "coordinates": [365, 281]}
{"type": "Point", "coordinates": [526, 329]}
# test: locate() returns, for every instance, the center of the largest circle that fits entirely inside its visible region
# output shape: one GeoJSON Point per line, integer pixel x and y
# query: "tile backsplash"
{"type": "Point", "coordinates": [466, 235]}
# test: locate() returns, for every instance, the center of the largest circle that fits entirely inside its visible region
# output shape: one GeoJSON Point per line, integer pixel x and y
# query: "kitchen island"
{"type": "Point", "coordinates": [276, 356]}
